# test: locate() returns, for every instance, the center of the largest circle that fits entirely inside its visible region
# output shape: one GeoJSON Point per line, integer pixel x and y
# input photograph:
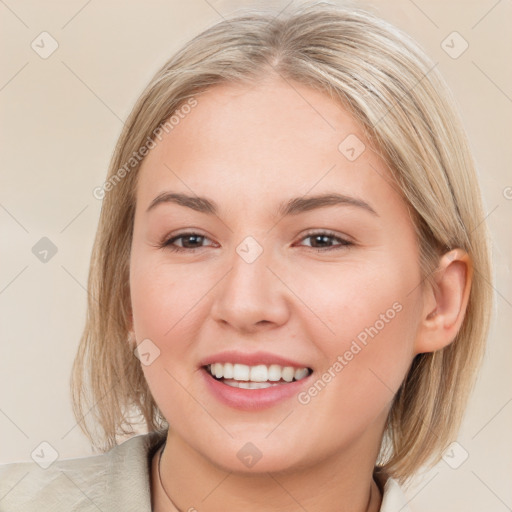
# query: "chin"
{"type": "Point", "coordinates": [255, 457]}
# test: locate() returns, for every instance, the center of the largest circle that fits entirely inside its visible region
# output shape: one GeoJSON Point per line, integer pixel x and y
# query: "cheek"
{"type": "Point", "coordinates": [363, 371]}
{"type": "Point", "coordinates": [167, 303]}
{"type": "Point", "coordinates": [352, 298]}
{"type": "Point", "coordinates": [373, 318]}
{"type": "Point", "coordinates": [164, 297]}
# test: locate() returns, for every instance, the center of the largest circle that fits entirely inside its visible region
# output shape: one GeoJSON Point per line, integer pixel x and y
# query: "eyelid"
{"type": "Point", "coordinates": [166, 241]}
{"type": "Point", "coordinates": [328, 232]}
{"type": "Point", "coordinates": [344, 242]}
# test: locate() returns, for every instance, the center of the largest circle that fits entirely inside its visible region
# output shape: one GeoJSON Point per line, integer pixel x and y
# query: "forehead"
{"type": "Point", "coordinates": [262, 140]}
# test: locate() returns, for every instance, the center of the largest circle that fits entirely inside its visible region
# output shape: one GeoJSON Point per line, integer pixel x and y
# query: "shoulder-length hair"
{"type": "Point", "coordinates": [387, 83]}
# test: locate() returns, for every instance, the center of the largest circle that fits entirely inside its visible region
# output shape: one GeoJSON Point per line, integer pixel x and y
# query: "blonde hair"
{"type": "Point", "coordinates": [395, 92]}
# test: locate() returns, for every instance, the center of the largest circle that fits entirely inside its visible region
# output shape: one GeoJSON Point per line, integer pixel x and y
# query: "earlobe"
{"type": "Point", "coordinates": [445, 307]}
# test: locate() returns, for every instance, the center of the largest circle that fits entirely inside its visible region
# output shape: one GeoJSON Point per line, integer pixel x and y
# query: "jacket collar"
{"type": "Point", "coordinates": [128, 478]}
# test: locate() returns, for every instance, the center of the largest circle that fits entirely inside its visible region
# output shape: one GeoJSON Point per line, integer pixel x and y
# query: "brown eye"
{"type": "Point", "coordinates": [323, 241]}
{"type": "Point", "coordinates": [189, 242]}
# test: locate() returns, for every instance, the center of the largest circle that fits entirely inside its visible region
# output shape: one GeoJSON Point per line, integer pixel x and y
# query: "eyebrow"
{"type": "Point", "coordinates": [293, 206]}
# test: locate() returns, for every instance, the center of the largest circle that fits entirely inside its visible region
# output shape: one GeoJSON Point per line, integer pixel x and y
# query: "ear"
{"type": "Point", "coordinates": [444, 308]}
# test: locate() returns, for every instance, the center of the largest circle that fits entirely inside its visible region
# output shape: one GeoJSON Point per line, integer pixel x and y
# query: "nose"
{"type": "Point", "coordinates": [252, 296]}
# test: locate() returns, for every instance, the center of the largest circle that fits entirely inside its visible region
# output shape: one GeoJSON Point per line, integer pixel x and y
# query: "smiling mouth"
{"type": "Point", "coordinates": [256, 377]}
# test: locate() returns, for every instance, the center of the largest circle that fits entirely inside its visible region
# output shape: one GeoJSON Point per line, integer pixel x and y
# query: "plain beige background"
{"type": "Point", "coordinates": [61, 117]}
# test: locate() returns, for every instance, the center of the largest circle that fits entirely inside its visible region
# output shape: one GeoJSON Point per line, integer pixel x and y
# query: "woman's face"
{"type": "Point", "coordinates": [267, 273]}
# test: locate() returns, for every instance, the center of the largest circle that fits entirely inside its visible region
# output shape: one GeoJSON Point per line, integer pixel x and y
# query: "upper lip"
{"type": "Point", "coordinates": [251, 359]}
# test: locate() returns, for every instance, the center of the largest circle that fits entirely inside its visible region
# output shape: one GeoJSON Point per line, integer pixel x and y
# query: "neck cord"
{"type": "Point", "coordinates": [172, 502]}
{"type": "Point", "coordinates": [160, 479]}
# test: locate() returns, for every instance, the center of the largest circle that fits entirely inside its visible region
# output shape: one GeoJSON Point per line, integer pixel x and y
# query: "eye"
{"type": "Point", "coordinates": [321, 241]}
{"type": "Point", "coordinates": [324, 239]}
{"type": "Point", "coordinates": [189, 242]}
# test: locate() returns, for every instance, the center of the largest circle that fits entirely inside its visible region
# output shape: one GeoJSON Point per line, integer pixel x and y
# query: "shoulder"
{"type": "Point", "coordinates": [115, 480]}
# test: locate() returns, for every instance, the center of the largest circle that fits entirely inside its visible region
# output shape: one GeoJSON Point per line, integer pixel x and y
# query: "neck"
{"type": "Point", "coordinates": [341, 483]}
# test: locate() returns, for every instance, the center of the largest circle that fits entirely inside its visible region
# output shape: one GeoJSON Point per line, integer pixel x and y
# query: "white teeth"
{"type": "Point", "coordinates": [244, 376]}
{"type": "Point", "coordinates": [217, 370]}
{"type": "Point", "coordinates": [254, 385]}
{"type": "Point", "coordinates": [274, 372]}
{"type": "Point", "coordinates": [259, 373]}
{"type": "Point", "coordinates": [228, 371]}
{"type": "Point", "coordinates": [240, 371]}
{"type": "Point", "coordinates": [288, 373]}
{"type": "Point", "coordinates": [249, 385]}
{"type": "Point", "coordinates": [300, 373]}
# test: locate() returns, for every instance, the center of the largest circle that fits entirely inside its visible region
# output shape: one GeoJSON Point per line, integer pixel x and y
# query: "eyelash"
{"type": "Point", "coordinates": [167, 244]}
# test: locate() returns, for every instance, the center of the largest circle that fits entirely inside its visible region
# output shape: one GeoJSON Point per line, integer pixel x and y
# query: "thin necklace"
{"type": "Point", "coordinates": [371, 494]}
{"type": "Point", "coordinates": [160, 479]}
{"type": "Point", "coordinates": [172, 502]}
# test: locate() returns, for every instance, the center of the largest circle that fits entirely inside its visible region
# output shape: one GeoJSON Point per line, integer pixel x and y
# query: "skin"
{"type": "Point", "coordinates": [249, 148]}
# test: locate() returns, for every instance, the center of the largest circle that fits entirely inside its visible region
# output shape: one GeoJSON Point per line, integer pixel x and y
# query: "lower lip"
{"type": "Point", "coordinates": [252, 399]}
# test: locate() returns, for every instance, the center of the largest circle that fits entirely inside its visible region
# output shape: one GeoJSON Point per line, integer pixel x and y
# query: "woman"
{"type": "Point", "coordinates": [287, 282]}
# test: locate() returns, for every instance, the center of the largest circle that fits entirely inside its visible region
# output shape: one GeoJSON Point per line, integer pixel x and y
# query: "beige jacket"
{"type": "Point", "coordinates": [116, 481]}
